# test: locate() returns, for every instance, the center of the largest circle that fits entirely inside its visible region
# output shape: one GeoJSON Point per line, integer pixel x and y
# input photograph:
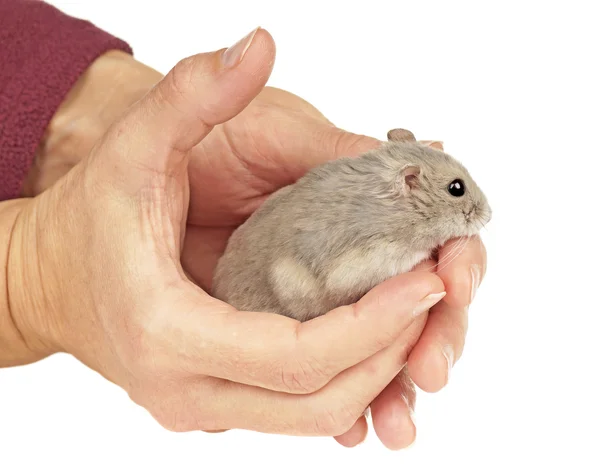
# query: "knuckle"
{"type": "Point", "coordinates": [148, 351]}
{"type": "Point", "coordinates": [176, 86]}
{"type": "Point", "coordinates": [355, 314]}
{"type": "Point", "coordinates": [336, 421]}
{"type": "Point", "coordinates": [339, 143]}
{"type": "Point", "coordinates": [205, 421]}
{"type": "Point", "coordinates": [161, 405]}
{"type": "Point", "coordinates": [182, 82]}
{"type": "Point", "coordinates": [171, 422]}
{"type": "Point", "coordinates": [181, 76]}
{"type": "Point", "coordinates": [173, 409]}
{"type": "Point", "coordinates": [181, 422]}
{"type": "Point", "coordinates": [144, 362]}
{"type": "Point", "coordinates": [344, 143]}
{"type": "Point", "coordinates": [148, 341]}
{"type": "Point", "coordinates": [303, 377]}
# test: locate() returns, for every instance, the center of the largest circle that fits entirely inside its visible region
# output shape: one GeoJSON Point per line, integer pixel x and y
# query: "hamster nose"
{"type": "Point", "coordinates": [482, 213]}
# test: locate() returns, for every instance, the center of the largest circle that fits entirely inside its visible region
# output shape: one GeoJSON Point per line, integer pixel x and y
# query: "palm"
{"type": "Point", "coordinates": [269, 145]}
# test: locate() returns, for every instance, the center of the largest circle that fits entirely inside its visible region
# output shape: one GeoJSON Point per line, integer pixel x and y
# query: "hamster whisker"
{"type": "Point", "coordinates": [481, 221]}
{"type": "Point", "coordinates": [449, 254]}
{"type": "Point", "coordinates": [461, 248]}
{"type": "Point", "coordinates": [455, 252]}
{"type": "Point", "coordinates": [457, 247]}
{"type": "Point", "coordinates": [464, 241]}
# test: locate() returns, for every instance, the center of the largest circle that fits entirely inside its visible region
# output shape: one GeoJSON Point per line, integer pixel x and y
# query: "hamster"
{"type": "Point", "coordinates": [347, 226]}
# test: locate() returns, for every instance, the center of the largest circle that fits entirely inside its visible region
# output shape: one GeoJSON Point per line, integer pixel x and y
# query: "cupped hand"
{"type": "Point", "coordinates": [461, 265]}
{"type": "Point", "coordinates": [272, 143]}
{"type": "Point", "coordinates": [275, 140]}
{"type": "Point", "coordinates": [95, 271]}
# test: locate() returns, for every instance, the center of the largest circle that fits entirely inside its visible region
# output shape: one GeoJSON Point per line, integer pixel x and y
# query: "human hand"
{"type": "Point", "coordinates": [273, 142]}
{"type": "Point", "coordinates": [95, 271]}
{"type": "Point", "coordinates": [276, 139]}
{"type": "Point", "coordinates": [462, 265]}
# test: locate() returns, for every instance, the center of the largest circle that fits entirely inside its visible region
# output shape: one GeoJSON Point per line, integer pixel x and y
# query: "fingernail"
{"type": "Point", "coordinates": [428, 302]}
{"type": "Point", "coordinates": [448, 353]}
{"type": "Point", "coordinates": [475, 279]}
{"type": "Point", "coordinates": [234, 55]}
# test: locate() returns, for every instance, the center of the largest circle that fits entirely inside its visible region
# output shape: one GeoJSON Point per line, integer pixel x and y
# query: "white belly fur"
{"type": "Point", "coordinates": [362, 269]}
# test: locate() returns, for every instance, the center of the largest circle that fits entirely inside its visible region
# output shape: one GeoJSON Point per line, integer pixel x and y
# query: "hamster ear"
{"type": "Point", "coordinates": [400, 135]}
{"type": "Point", "coordinates": [408, 178]}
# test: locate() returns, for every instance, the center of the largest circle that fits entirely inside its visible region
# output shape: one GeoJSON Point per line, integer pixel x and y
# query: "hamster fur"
{"type": "Point", "coordinates": [347, 226]}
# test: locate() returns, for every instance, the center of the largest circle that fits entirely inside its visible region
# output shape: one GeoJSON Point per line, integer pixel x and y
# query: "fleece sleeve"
{"type": "Point", "coordinates": [42, 54]}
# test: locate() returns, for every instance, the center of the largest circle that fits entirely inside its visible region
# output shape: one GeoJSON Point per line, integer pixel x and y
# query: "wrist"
{"type": "Point", "coordinates": [111, 84]}
{"type": "Point", "coordinates": [18, 342]}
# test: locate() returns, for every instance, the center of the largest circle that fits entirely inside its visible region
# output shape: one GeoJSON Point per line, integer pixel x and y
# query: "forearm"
{"type": "Point", "coordinates": [15, 349]}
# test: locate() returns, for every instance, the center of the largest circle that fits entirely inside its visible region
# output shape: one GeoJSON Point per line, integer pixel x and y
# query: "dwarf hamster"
{"type": "Point", "coordinates": [346, 226]}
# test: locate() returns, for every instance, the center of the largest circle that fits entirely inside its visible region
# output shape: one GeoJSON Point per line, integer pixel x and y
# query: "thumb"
{"type": "Point", "coordinates": [198, 93]}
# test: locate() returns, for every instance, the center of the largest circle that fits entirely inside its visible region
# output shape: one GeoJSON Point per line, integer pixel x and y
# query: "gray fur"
{"type": "Point", "coordinates": [345, 227]}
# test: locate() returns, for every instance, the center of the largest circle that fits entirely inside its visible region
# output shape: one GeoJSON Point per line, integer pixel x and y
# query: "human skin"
{"type": "Point", "coordinates": [257, 152]}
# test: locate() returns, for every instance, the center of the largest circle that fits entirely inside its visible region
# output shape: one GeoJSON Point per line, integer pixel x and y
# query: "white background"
{"type": "Point", "coordinates": [512, 90]}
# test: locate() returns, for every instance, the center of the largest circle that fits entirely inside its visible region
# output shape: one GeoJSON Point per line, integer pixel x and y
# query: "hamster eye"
{"type": "Point", "coordinates": [456, 188]}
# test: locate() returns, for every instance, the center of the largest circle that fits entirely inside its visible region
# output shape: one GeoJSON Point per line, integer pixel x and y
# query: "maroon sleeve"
{"type": "Point", "coordinates": [42, 54]}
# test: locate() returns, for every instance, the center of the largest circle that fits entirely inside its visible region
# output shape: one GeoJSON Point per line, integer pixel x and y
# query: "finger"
{"type": "Point", "coordinates": [331, 411]}
{"type": "Point", "coordinates": [439, 347]}
{"type": "Point", "coordinates": [462, 266]}
{"type": "Point", "coordinates": [434, 144]}
{"type": "Point", "coordinates": [334, 142]}
{"type": "Point", "coordinates": [442, 342]}
{"type": "Point", "coordinates": [393, 416]}
{"type": "Point", "coordinates": [393, 413]}
{"type": "Point", "coordinates": [197, 94]}
{"type": "Point", "coordinates": [279, 353]}
{"type": "Point", "coordinates": [312, 143]}
{"type": "Point", "coordinates": [355, 435]}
